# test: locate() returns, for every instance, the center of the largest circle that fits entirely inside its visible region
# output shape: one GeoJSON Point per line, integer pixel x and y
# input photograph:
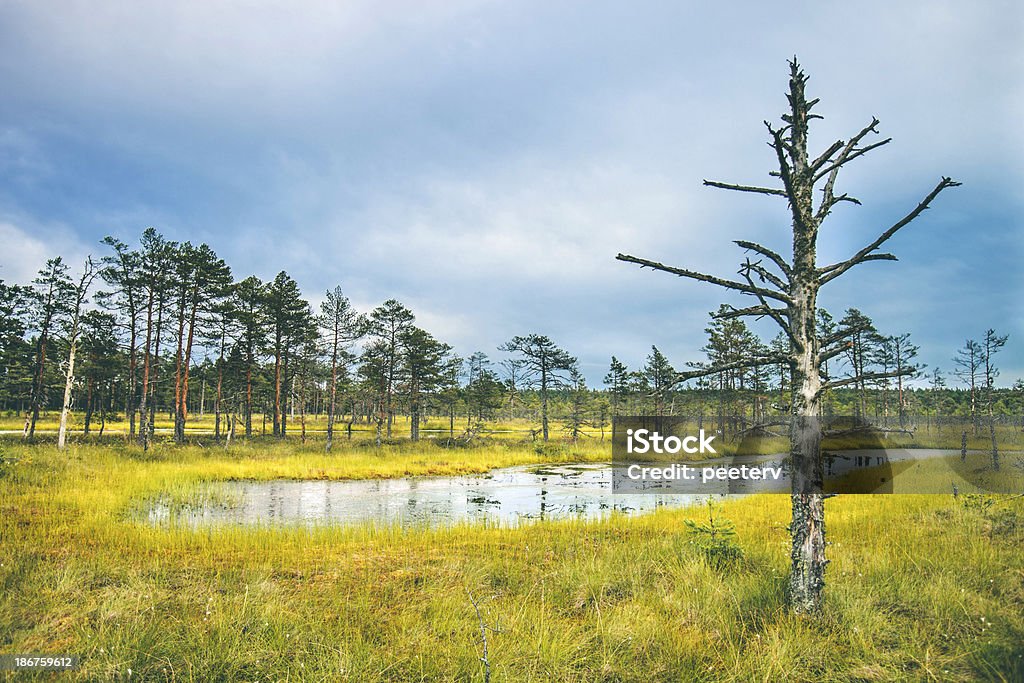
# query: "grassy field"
{"type": "Point", "coordinates": [315, 424]}
{"type": "Point", "coordinates": [919, 588]}
{"type": "Point", "coordinates": [920, 435]}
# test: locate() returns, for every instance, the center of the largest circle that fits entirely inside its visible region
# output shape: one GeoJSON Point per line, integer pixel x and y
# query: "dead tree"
{"type": "Point", "coordinates": [787, 291]}
{"type": "Point", "coordinates": [79, 293]}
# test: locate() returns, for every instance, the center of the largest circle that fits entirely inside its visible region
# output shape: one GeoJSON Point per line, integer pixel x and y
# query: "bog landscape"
{"type": "Point", "coordinates": [211, 475]}
{"type": "Point", "coordinates": [120, 446]}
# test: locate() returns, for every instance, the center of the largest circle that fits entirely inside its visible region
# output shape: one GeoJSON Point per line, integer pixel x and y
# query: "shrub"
{"type": "Point", "coordinates": [715, 539]}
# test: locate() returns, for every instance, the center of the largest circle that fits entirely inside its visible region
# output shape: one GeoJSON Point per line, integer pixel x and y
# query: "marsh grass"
{"type": "Point", "coordinates": [316, 426]}
{"type": "Point", "coordinates": [920, 587]}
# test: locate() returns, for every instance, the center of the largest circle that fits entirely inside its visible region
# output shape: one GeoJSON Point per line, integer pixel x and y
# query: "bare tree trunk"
{"type": "Point", "coordinates": [248, 400]}
{"type": "Point", "coordinates": [277, 389]}
{"type": "Point", "coordinates": [103, 412]}
{"type": "Point", "coordinates": [216, 402]}
{"type": "Point", "coordinates": [807, 551]}
{"type": "Point", "coordinates": [37, 391]}
{"type": "Point", "coordinates": [181, 413]}
{"type": "Point", "coordinates": [143, 435]}
{"type": "Point", "coordinates": [288, 390]}
{"type": "Point", "coordinates": [544, 402]}
{"type": "Point", "coordinates": [334, 394]}
{"type": "Point", "coordinates": [302, 408]}
{"type": "Point", "coordinates": [414, 420]}
{"type": "Point", "coordinates": [179, 425]}
{"type": "Point", "coordinates": [69, 380]}
{"type": "Point", "coordinates": [155, 372]}
{"type": "Point", "coordinates": [88, 273]}
{"type": "Point", "coordinates": [88, 407]}
{"type": "Point", "coordinates": [807, 554]}
{"type": "Point", "coordinates": [995, 447]}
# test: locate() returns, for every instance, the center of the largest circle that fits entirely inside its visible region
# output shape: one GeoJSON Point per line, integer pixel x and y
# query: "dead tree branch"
{"type": "Point", "coordinates": [763, 274]}
{"type": "Point", "coordinates": [752, 362]}
{"type": "Point", "coordinates": [829, 354]}
{"type": "Point", "coordinates": [862, 429]}
{"type": "Point", "coordinates": [485, 658]}
{"type": "Point", "coordinates": [779, 320]}
{"type": "Point", "coordinates": [838, 269]}
{"type": "Point", "coordinates": [759, 311]}
{"type": "Point", "coordinates": [746, 188]}
{"type": "Point", "coordinates": [693, 275]}
{"type": "Point", "coordinates": [866, 377]}
{"type": "Point", "coordinates": [767, 253]}
{"type": "Point", "coordinates": [870, 257]}
{"type": "Point", "coordinates": [843, 333]}
{"type": "Point", "coordinates": [826, 156]}
{"type": "Point", "coordinates": [785, 173]}
{"type": "Point", "coordinates": [849, 152]}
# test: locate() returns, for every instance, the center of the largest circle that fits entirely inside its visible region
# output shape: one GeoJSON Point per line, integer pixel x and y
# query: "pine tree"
{"type": "Point", "coordinates": [340, 326]}
{"type": "Point", "coordinates": [937, 384]}
{"type": "Point", "coordinates": [122, 270]}
{"type": "Point", "coordinates": [15, 351]}
{"type": "Point", "coordinates": [202, 281]}
{"type": "Point", "coordinates": [544, 366]}
{"type": "Point", "coordinates": [860, 342]}
{"type": "Point", "coordinates": [386, 325]}
{"type": "Point", "coordinates": [990, 346]}
{"type": "Point", "coordinates": [156, 262]}
{"type": "Point", "coordinates": [484, 390]}
{"type": "Point", "coordinates": [423, 361]}
{"type": "Point", "coordinates": [290, 322]}
{"type": "Point", "coordinates": [579, 397]}
{"type": "Point", "coordinates": [903, 353]}
{"type": "Point", "coordinates": [617, 381]}
{"type": "Point", "coordinates": [49, 307]}
{"type": "Point", "coordinates": [659, 376]}
{"type": "Point", "coordinates": [248, 312]}
{"type": "Point", "coordinates": [968, 362]}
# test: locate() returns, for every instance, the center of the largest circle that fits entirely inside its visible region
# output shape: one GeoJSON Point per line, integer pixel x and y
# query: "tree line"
{"type": "Point", "coordinates": [164, 326]}
{"type": "Point", "coordinates": [890, 384]}
{"type": "Point", "coordinates": [164, 315]}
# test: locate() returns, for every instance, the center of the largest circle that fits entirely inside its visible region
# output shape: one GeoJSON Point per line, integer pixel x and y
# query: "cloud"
{"type": "Point", "coordinates": [25, 252]}
{"type": "Point", "coordinates": [483, 162]}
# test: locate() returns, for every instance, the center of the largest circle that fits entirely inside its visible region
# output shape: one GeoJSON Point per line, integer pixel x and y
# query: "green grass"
{"type": "Point", "coordinates": [919, 588]}
{"type": "Point", "coordinates": [922, 434]}
{"type": "Point", "coordinates": [315, 425]}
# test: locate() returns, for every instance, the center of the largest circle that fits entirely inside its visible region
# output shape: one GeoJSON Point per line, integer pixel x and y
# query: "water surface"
{"type": "Point", "coordinates": [507, 496]}
{"type": "Point", "coordinates": [513, 495]}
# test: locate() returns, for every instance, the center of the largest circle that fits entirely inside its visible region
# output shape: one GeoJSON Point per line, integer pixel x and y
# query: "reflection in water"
{"type": "Point", "coordinates": [506, 496]}
{"type": "Point", "coordinates": [511, 495]}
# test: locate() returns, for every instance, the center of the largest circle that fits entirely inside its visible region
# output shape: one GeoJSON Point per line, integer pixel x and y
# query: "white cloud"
{"type": "Point", "coordinates": [23, 252]}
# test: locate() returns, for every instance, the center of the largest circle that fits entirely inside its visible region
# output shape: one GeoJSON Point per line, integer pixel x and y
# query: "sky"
{"type": "Point", "coordinates": [484, 162]}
